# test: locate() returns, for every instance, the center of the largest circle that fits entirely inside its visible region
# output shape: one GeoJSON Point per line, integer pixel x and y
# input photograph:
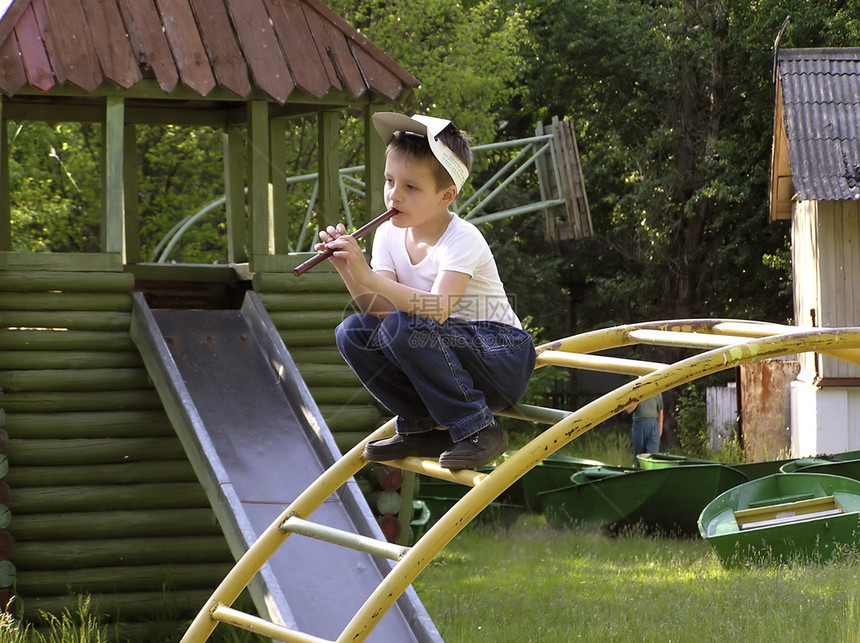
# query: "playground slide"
{"type": "Point", "coordinates": [256, 440]}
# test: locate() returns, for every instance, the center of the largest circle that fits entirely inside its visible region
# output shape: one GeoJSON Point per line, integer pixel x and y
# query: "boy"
{"type": "Point", "coordinates": [436, 342]}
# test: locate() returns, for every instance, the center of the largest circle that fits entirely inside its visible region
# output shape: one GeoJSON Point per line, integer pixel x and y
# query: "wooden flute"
{"type": "Point", "coordinates": [367, 228]}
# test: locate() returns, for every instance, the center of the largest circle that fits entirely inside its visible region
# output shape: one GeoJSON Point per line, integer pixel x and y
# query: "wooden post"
{"type": "Point", "coordinates": [328, 204]}
{"type": "Point", "coordinates": [5, 201]}
{"type": "Point", "coordinates": [131, 203]}
{"type": "Point", "coordinates": [374, 166]}
{"type": "Point", "coordinates": [278, 179]}
{"type": "Point", "coordinates": [258, 179]}
{"type": "Point", "coordinates": [113, 195]}
{"type": "Point", "coordinates": [234, 192]}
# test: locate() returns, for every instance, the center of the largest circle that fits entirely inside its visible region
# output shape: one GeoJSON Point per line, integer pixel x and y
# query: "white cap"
{"type": "Point", "coordinates": [388, 123]}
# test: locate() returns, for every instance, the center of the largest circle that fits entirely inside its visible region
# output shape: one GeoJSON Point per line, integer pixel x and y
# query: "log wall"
{"type": "Point", "coordinates": [306, 310]}
{"type": "Point", "coordinates": [101, 499]}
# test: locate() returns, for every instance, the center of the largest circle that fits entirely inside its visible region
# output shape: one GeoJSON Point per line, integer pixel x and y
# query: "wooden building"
{"type": "Point", "coordinates": [102, 498]}
{"type": "Point", "coordinates": [815, 182]}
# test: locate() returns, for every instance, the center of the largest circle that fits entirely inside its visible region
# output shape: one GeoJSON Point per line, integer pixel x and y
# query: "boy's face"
{"type": "Point", "coordinates": [410, 187]}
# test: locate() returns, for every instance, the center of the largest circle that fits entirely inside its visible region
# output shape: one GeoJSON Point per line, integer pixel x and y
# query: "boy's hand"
{"type": "Point", "coordinates": [347, 257]}
{"type": "Point", "coordinates": [328, 235]}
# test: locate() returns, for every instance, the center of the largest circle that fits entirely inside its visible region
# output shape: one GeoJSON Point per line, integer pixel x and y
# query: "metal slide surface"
{"type": "Point", "coordinates": [256, 440]}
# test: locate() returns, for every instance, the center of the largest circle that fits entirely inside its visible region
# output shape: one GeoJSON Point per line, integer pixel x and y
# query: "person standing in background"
{"type": "Point", "coordinates": [647, 424]}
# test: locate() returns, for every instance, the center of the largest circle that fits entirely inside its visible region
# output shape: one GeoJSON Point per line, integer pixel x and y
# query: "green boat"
{"type": "Point", "coordinates": [667, 500]}
{"type": "Point", "coordinates": [845, 468]}
{"type": "Point", "coordinates": [662, 460]}
{"type": "Point", "coordinates": [782, 517]}
{"type": "Point", "coordinates": [440, 495]}
{"type": "Point", "coordinates": [553, 472]}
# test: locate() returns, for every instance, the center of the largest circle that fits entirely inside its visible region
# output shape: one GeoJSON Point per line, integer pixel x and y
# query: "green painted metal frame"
{"type": "Point", "coordinates": [726, 343]}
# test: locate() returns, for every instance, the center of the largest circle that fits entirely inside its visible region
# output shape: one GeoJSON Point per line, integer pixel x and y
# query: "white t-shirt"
{"type": "Point", "coordinates": [461, 248]}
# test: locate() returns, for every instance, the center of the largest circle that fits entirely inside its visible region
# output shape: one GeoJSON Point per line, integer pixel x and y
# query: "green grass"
{"type": "Point", "coordinates": [539, 584]}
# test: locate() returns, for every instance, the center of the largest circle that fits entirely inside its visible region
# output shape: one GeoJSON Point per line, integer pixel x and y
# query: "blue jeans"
{"type": "Point", "coordinates": [646, 436]}
{"type": "Point", "coordinates": [428, 374]}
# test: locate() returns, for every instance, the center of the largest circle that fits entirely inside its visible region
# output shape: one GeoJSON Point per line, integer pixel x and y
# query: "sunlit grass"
{"type": "Point", "coordinates": [538, 584]}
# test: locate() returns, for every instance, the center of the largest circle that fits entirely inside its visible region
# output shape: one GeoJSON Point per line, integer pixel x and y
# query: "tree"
{"type": "Point", "coordinates": [673, 104]}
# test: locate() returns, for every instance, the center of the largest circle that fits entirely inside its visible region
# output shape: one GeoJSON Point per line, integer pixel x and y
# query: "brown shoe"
{"type": "Point", "coordinates": [477, 450]}
{"type": "Point", "coordinates": [428, 444]}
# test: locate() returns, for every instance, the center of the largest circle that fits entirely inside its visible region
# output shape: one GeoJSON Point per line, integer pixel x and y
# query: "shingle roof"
{"type": "Point", "coordinates": [282, 48]}
{"type": "Point", "coordinates": [820, 91]}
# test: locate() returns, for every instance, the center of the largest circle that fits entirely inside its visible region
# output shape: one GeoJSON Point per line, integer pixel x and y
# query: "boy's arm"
{"type": "Point", "coordinates": [379, 293]}
{"type": "Point", "coordinates": [436, 304]}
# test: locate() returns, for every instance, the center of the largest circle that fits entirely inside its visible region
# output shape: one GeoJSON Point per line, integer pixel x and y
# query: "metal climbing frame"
{"type": "Point", "coordinates": [717, 344]}
{"type": "Point", "coordinates": [552, 153]}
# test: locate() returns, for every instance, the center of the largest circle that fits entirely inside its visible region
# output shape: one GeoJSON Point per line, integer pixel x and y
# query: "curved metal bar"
{"type": "Point", "coordinates": [580, 421]}
{"type": "Point", "coordinates": [763, 341]}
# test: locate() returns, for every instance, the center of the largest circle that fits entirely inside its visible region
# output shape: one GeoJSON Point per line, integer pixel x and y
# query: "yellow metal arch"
{"type": "Point", "coordinates": [725, 344]}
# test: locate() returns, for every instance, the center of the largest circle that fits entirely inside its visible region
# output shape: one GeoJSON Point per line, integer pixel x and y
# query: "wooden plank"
{"type": "Point", "coordinates": [111, 43]}
{"type": "Point", "coordinates": [75, 45]}
{"type": "Point", "coordinates": [281, 210]}
{"type": "Point", "coordinates": [350, 32]}
{"type": "Point", "coordinates": [262, 51]}
{"type": "Point", "coordinates": [133, 606]}
{"type": "Point", "coordinates": [12, 74]}
{"type": "Point", "coordinates": [186, 45]}
{"type": "Point", "coordinates": [11, 16]}
{"type": "Point", "coordinates": [114, 302]}
{"type": "Point", "coordinates": [124, 473]}
{"type": "Point", "coordinates": [47, 33]}
{"type": "Point", "coordinates": [113, 192]}
{"type": "Point", "coordinates": [71, 320]}
{"type": "Point", "coordinates": [120, 523]}
{"type": "Point", "coordinates": [351, 417]}
{"type": "Point", "coordinates": [33, 53]}
{"type": "Point", "coordinates": [131, 202]}
{"type": "Point", "coordinates": [5, 201]}
{"type": "Point", "coordinates": [234, 193]}
{"type": "Point", "coordinates": [310, 319]}
{"type": "Point", "coordinates": [320, 280]}
{"type": "Point", "coordinates": [333, 48]}
{"type": "Point", "coordinates": [374, 166]}
{"type": "Point", "coordinates": [328, 168]}
{"type": "Point", "coordinates": [65, 340]}
{"type": "Point", "coordinates": [299, 47]}
{"type": "Point", "coordinates": [87, 261]}
{"type": "Point", "coordinates": [126, 423]}
{"type": "Point", "coordinates": [78, 554]}
{"type": "Point", "coordinates": [91, 451]}
{"type": "Point", "coordinates": [328, 374]}
{"type": "Point", "coordinates": [258, 179]}
{"type": "Point", "coordinates": [56, 280]}
{"type": "Point", "coordinates": [73, 380]}
{"type": "Point", "coordinates": [70, 359]}
{"type": "Point", "coordinates": [174, 495]}
{"type": "Point", "coordinates": [128, 577]}
{"type": "Point", "coordinates": [227, 59]}
{"type": "Point", "coordinates": [149, 41]}
{"type": "Point", "coordinates": [379, 79]}
{"type": "Point", "coordinates": [81, 401]}
{"type": "Point", "coordinates": [337, 394]}
{"type": "Point", "coordinates": [320, 39]}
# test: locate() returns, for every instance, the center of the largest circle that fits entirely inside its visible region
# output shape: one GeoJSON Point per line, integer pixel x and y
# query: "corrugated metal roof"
{"type": "Point", "coordinates": [821, 104]}
{"type": "Point", "coordinates": [274, 46]}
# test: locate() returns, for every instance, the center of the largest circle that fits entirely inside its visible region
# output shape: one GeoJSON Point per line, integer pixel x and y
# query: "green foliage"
{"type": "Point", "coordinates": [673, 106]}
{"type": "Point", "coordinates": [80, 626]}
{"type": "Point", "coordinates": [181, 169]}
{"type": "Point", "coordinates": [691, 418]}
{"type": "Point", "coordinates": [464, 54]}
{"type": "Point", "coordinates": [55, 182]}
